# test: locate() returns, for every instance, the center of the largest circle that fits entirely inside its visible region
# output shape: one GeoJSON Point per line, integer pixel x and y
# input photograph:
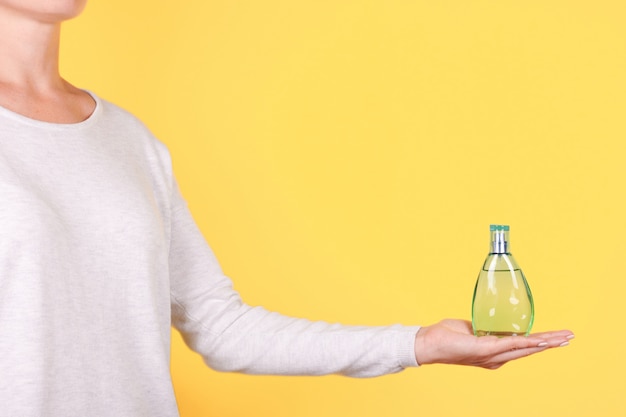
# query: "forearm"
{"type": "Point", "coordinates": [257, 341]}
{"type": "Point", "coordinates": [232, 336]}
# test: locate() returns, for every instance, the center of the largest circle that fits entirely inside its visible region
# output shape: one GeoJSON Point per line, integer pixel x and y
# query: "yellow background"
{"type": "Point", "coordinates": [345, 158]}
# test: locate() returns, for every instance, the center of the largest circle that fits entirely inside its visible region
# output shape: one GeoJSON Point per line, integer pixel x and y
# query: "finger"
{"type": "Point", "coordinates": [510, 343]}
{"type": "Point", "coordinates": [504, 357]}
{"type": "Point", "coordinates": [499, 359]}
{"type": "Point", "coordinates": [545, 339]}
{"type": "Point", "coordinates": [554, 333]}
{"type": "Point", "coordinates": [554, 339]}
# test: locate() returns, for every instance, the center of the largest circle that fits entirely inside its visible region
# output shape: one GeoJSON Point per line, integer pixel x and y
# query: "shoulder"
{"type": "Point", "coordinates": [119, 120]}
{"type": "Point", "coordinates": [130, 132]}
{"type": "Point", "coordinates": [116, 115]}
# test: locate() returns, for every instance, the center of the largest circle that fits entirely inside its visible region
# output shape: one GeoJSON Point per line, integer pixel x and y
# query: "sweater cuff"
{"type": "Point", "coordinates": [406, 347]}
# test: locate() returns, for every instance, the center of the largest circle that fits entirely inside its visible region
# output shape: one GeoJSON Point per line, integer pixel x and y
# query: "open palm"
{"type": "Point", "coordinates": [452, 341]}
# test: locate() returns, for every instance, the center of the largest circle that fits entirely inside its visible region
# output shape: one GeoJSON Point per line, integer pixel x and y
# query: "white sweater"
{"type": "Point", "coordinates": [99, 257]}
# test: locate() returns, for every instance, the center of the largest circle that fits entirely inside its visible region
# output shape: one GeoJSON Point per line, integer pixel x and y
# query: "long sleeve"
{"type": "Point", "coordinates": [232, 336]}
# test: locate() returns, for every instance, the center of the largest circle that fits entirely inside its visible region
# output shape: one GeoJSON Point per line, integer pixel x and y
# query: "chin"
{"type": "Point", "coordinates": [60, 10]}
{"type": "Point", "coordinates": [50, 11]}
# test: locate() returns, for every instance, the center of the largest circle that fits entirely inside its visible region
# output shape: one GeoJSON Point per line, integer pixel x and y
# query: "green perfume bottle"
{"type": "Point", "coordinates": [502, 303]}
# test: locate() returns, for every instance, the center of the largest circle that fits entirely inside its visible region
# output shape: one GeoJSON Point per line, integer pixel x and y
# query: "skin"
{"type": "Point", "coordinates": [31, 85]}
{"type": "Point", "coordinates": [452, 341]}
{"type": "Point", "coordinates": [30, 82]}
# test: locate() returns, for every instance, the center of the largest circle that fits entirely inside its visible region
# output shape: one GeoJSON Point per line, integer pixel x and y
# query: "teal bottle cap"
{"type": "Point", "coordinates": [499, 227]}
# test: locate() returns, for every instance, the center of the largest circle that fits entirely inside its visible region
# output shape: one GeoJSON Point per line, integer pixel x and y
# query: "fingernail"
{"type": "Point", "coordinates": [542, 344]}
{"type": "Point", "coordinates": [564, 344]}
{"type": "Point", "coordinates": [571, 336]}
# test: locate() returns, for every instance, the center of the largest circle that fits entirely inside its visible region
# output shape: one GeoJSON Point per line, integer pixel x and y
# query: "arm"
{"type": "Point", "coordinates": [233, 336]}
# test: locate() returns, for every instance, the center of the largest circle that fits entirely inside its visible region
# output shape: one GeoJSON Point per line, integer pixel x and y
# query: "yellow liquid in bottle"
{"type": "Point", "coordinates": [503, 304]}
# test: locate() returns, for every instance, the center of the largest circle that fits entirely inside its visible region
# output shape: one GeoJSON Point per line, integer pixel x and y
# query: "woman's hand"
{"type": "Point", "coordinates": [452, 341]}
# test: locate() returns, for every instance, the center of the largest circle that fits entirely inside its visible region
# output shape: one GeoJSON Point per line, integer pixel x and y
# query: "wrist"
{"type": "Point", "coordinates": [422, 356]}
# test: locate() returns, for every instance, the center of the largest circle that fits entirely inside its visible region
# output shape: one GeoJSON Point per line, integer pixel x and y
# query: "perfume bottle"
{"type": "Point", "coordinates": [502, 303]}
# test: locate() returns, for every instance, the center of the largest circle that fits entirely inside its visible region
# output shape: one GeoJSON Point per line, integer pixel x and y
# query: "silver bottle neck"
{"type": "Point", "coordinates": [499, 239]}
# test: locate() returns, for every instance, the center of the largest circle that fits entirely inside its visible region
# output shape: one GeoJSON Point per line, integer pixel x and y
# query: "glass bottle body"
{"type": "Point", "coordinates": [502, 304]}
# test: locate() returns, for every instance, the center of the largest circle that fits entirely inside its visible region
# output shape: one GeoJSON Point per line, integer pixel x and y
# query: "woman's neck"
{"type": "Point", "coordinates": [30, 82]}
{"type": "Point", "coordinates": [29, 52]}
